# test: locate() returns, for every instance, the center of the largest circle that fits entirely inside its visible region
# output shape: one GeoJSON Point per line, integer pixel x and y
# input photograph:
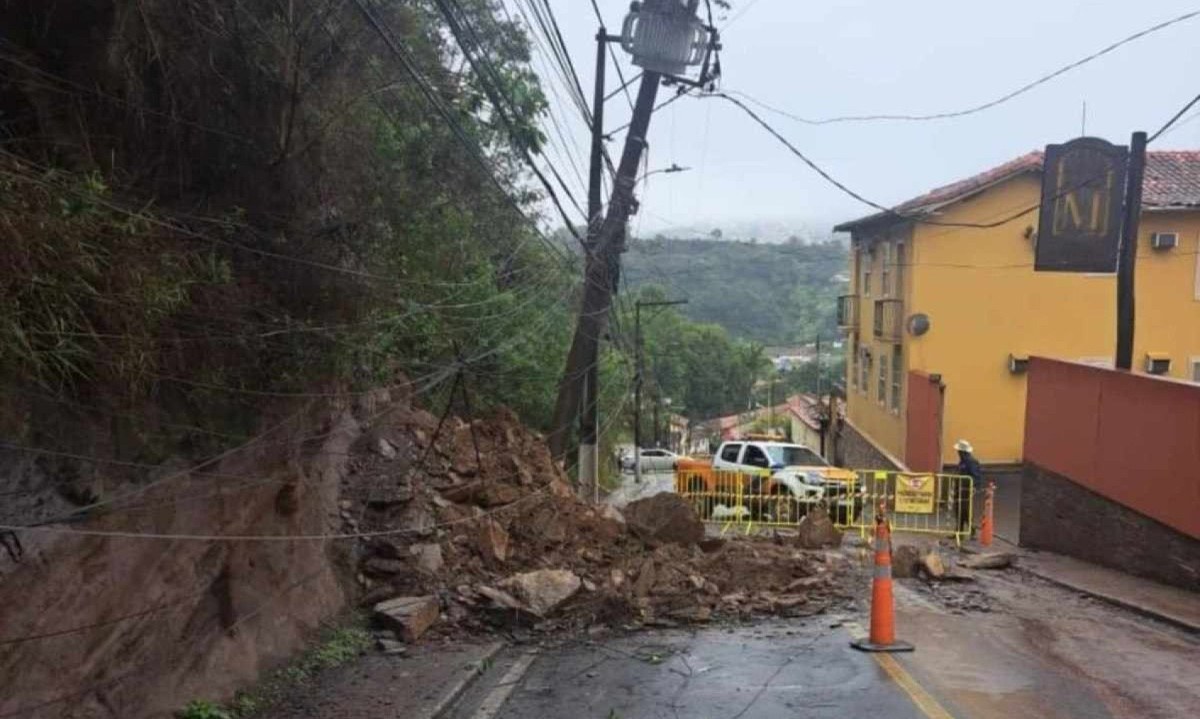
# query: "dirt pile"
{"type": "Point", "coordinates": [480, 517]}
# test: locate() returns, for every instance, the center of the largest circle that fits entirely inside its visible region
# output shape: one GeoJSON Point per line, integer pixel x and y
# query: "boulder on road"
{"type": "Point", "coordinates": [905, 559]}
{"type": "Point", "coordinates": [991, 560]}
{"type": "Point", "coordinates": [816, 530]}
{"type": "Point", "coordinates": [664, 518]}
{"type": "Point", "coordinates": [541, 591]}
{"type": "Point", "coordinates": [410, 617]}
{"type": "Point", "coordinates": [932, 565]}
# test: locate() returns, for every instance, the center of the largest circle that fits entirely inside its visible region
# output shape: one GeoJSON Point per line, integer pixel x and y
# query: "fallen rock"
{"type": "Point", "coordinates": [390, 646]}
{"type": "Point", "coordinates": [816, 530]}
{"type": "Point", "coordinates": [559, 488]}
{"type": "Point", "coordinates": [992, 560]}
{"type": "Point", "coordinates": [417, 520]}
{"type": "Point", "coordinates": [409, 616]}
{"type": "Point", "coordinates": [497, 495]}
{"type": "Point", "coordinates": [905, 559]}
{"type": "Point", "coordinates": [383, 567]}
{"type": "Point", "coordinates": [385, 448]}
{"type": "Point", "coordinates": [491, 541]}
{"type": "Point", "coordinates": [541, 591]}
{"type": "Point", "coordinates": [609, 512]}
{"type": "Point", "coordinates": [664, 518]}
{"type": "Point", "coordinates": [389, 494]}
{"type": "Point", "coordinates": [428, 556]}
{"type": "Point", "coordinates": [932, 565]}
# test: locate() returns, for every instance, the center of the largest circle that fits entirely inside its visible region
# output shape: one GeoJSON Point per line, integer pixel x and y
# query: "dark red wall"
{"type": "Point", "coordinates": [1132, 438]}
{"type": "Point", "coordinates": [923, 428]}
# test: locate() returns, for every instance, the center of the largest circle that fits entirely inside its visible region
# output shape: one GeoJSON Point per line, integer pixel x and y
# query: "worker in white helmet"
{"type": "Point", "coordinates": [968, 466]}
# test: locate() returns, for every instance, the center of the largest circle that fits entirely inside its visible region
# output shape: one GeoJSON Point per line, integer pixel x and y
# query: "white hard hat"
{"type": "Point", "coordinates": [963, 445]}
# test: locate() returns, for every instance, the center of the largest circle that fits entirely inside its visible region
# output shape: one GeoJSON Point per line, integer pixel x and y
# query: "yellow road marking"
{"type": "Point", "coordinates": [920, 697]}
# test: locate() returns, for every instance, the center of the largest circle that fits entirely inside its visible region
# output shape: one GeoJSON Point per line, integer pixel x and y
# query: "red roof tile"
{"type": "Point", "coordinates": [1172, 181]}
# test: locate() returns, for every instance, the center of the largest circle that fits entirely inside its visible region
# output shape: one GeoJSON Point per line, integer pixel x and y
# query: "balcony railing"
{"type": "Point", "coordinates": [847, 312]}
{"type": "Point", "coordinates": [889, 320]}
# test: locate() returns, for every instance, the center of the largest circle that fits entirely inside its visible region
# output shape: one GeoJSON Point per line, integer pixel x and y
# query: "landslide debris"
{"type": "Point", "coordinates": [497, 536]}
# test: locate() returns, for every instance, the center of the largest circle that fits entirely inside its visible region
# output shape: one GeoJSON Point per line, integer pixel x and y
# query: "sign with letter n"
{"type": "Point", "coordinates": [1083, 189]}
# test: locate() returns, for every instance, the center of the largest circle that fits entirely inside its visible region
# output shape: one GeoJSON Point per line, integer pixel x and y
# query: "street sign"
{"type": "Point", "coordinates": [914, 493]}
{"type": "Point", "coordinates": [1083, 189]}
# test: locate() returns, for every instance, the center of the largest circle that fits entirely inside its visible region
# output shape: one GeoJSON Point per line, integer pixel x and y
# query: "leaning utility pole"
{"type": "Point", "coordinates": [597, 290]}
{"type": "Point", "coordinates": [664, 37]}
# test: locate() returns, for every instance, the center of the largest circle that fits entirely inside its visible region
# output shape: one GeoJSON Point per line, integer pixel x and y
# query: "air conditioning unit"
{"type": "Point", "coordinates": [1164, 240]}
{"type": "Point", "coordinates": [1018, 364]}
{"type": "Point", "coordinates": [1157, 363]}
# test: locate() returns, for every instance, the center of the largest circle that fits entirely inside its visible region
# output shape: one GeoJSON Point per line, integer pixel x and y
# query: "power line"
{"type": "Point", "coordinates": [987, 105]}
{"type": "Point", "coordinates": [493, 86]}
{"type": "Point", "coordinates": [1173, 120]}
{"type": "Point", "coordinates": [882, 208]}
{"type": "Point", "coordinates": [431, 95]}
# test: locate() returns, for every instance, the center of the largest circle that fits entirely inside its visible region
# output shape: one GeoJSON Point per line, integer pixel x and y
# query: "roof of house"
{"type": "Point", "coordinates": [1172, 182]}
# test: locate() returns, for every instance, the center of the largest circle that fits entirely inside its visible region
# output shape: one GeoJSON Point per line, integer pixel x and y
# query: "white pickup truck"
{"type": "Point", "coordinates": [782, 469]}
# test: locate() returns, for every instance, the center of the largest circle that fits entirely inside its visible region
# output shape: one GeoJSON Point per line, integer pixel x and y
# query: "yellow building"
{"type": "Point", "coordinates": [945, 304]}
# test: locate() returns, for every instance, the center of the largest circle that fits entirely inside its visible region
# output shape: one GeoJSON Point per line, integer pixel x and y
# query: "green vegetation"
{"type": "Point", "coordinates": [334, 648]}
{"type": "Point", "coordinates": [203, 710]}
{"type": "Point", "coordinates": [783, 294]}
{"type": "Point", "coordinates": [699, 367]}
{"type": "Point", "coordinates": [267, 203]}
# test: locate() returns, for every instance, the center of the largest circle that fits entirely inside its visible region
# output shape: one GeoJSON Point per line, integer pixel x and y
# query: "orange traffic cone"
{"type": "Point", "coordinates": [986, 526]}
{"type": "Point", "coordinates": [882, 637]}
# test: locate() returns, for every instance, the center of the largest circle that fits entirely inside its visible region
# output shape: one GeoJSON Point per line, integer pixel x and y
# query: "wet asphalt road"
{"type": "Point", "coordinates": [1018, 647]}
{"type": "Point", "coordinates": [775, 670]}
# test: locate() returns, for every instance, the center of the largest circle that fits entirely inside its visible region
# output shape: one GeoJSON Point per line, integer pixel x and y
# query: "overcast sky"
{"type": "Point", "coordinates": [837, 57]}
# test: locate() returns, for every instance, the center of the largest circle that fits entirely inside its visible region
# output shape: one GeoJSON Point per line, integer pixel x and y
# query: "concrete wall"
{"type": "Point", "coordinates": [1113, 468]}
{"type": "Point", "coordinates": [1131, 438]}
{"type": "Point", "coordinates": [858, 451]}
{"type": "Point", "coordinates": [1059, 515]}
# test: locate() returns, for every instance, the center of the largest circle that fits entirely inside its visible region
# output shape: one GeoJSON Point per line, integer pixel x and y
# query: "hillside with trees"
{"type": "Point", "coordinates": [773, 294]}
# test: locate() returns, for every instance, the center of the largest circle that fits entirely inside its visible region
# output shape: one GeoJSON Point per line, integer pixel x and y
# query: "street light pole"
{"type": "Point", "coordinates": [639, 371]}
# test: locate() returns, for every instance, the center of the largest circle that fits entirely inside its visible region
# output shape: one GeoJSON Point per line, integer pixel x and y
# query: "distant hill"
{"type": "Point", "coordinates": [775, 294]}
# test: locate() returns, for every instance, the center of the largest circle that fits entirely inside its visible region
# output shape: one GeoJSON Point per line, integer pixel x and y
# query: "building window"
{"type": "Point", "coordinates": [885, 270]}
{"type": "Point", "coordinates": [864, 369]}
{"type": "Point", "coordinates": [1197, 288]}
{"type": "Point", "coordinates": [853, 362]}
{"type": "Point", "coordinates": [865, 259]}
{"type": "Point", "coordinates": [883, 379]}
{"type": "Point", "coordinates": [1195, 369]}
{"type": "Point", "coordinates": [899, 277]}
{"type": "Point", "coordinates": [897, 376]}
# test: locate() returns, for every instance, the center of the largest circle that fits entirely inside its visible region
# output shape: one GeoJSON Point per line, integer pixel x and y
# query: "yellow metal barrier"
{"type": "Point", "coordinates": [748, 499]}
{"type": "Point", "coordinates": [915, 502]}
{"type": "Point", "coordinates": [921, 502]}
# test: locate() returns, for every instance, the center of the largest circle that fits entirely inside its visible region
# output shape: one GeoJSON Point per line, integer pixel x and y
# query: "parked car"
{"type": "Point", "coordinates": [784, 480]}
{"type": "Point", "coordinates": [655, 460]}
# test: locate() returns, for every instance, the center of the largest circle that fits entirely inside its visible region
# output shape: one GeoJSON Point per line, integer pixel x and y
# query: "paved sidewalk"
{"type": "Point", "coordinates": [1170, 604]}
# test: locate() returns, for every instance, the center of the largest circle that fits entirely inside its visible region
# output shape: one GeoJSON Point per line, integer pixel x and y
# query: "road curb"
{"type": "Point", "coordinates": [1177, 622]}
{"type": "Point", "coordinates": [466, 678]}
